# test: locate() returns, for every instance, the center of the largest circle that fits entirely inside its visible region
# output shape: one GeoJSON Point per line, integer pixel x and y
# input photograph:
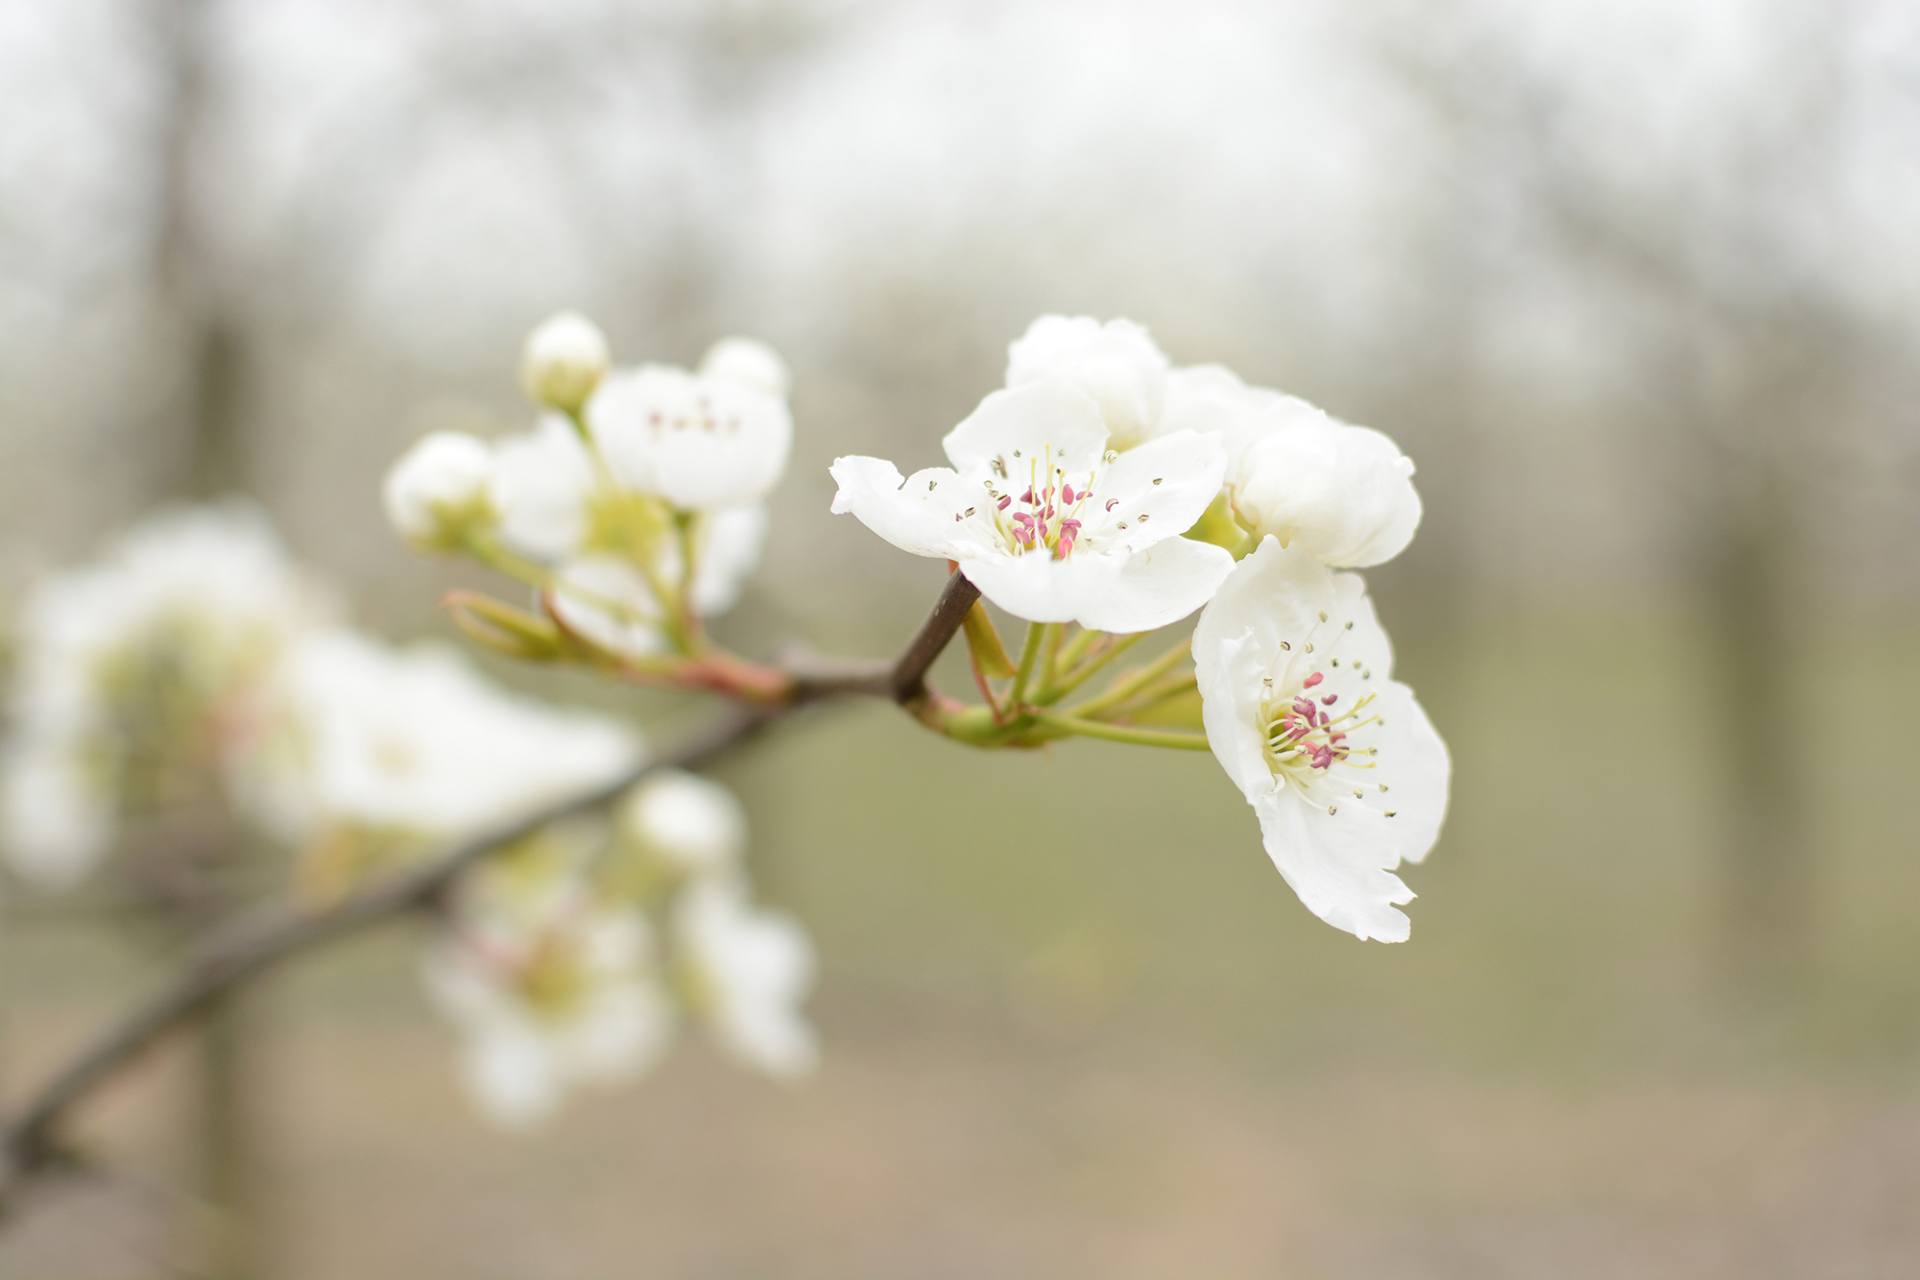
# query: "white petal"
{"type": "Point", "coordinates": [1414, 761]}
{"type": "Point", "coordinates": [1156, 587]}
{"type": "Point", "coordinates": [1277, 594]}
{"type": "Point", "coordinates": [1115, 363]}
{"type": "Point", "coordinates": [1343, 492]}
{"type": "Point", "coordinates": [915, 514]}
{"type": "Point", "coordinates": [697, 442]}
{"type": "Point", "coordinates": [749, 362]}
{"type": "Point", "coordinates": [1156, 490]}
{"type": "Point", "coordinates": [1037, 587]}
{"type": "Point", "coordinates": [727, 551]}
{"type": "Point", "coordinates": [1340, 864]}
{"type": "Point", "coordinates": [1231, 669]}
{"type": "Point", "coordinates": [1212, 398]}
{"type": "Point", "coordinates": [1038, 425]}
{"type": "Point", "coordinates": [541, 485]}
{"type": "Point", "coordinates": [1114, 592]}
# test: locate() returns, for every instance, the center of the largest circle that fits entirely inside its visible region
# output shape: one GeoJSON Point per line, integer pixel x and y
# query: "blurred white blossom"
{"type": "Point", "coordinates": [564, 360]}
{"type": "Point", "coordinates": [437, 490]}
{"type": "Point", "coordinates": [695, 440]}
{"type": "Point", "coordinates": [414, 743]}
{"type": "Point", "coordinates": [746, 972]}
{"type": "Point", "coordinates": [138, 678]}
{"type": "Point", "coordinates": [684, 822]}
{"type": "Point", "coordinates": [549, 990]}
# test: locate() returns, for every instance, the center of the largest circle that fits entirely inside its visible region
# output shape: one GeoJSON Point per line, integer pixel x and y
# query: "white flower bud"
{"type": "Point", "coordinates": [689, 823]}
{"type": "Point", "coordinates": [1342, 493]}
{"type": "Point", "coordinates": [749, 362]}
{"type": "Point", "coordinates": [1116, 363]}
{"type": "Point", "coordinates": [563, 362]}
{"type": "Point", "coordinates": [437, 490]}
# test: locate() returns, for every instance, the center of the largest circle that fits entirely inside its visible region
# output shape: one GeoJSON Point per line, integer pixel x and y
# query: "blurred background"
{"type": "Point", "coordinates": [1637, 286]}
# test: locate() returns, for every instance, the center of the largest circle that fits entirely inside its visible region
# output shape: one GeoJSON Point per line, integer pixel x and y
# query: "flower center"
{"type": "Point", "coordinates": [1045, 515]}
{"type": "Point", "coordinates": [1320, 731]}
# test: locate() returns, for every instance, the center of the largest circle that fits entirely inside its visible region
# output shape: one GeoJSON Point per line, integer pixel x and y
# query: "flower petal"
{"type": "Point", "coordinates": [1340, 864]}
{"type": "Point", "coordinates": [1020, 428]}
{"type": "Point", "coordinates": [1115, 363]}
{"type": "Point", "coordinates": [915, 514]}
{"type": "Point", "coordinates": [1158, 490]}
{"type": "Point", "coordinates": [726, 553]}
{"type": "Point", "coordinates": [541, 485]}
{"type": "Point", "coordinates": [1155, 587]}
{"type": "Point", "coordinates": [1037, 587]}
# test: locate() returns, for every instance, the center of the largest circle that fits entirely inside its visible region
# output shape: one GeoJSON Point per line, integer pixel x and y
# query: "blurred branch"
{"type": "Point", "coordinates": [260, 940]}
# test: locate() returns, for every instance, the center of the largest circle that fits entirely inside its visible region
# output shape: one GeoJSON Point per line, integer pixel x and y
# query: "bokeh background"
{"type": "Point", "coordinates": [1635, 283]}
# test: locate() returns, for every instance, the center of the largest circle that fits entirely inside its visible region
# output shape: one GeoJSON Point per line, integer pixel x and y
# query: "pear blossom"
{"type": "Point", "coordinates": [695, 440]}
{"type": "Point", "coordinates": [1049, 523]}
{"type": "Point", "coordinates": [413, 742]}
{"type": "Point", "coordinates": [563, 361]}
{"type": "Point", "coordinates": [746, 972]}
{"type": "Point", "coordinates": [684, 822]}
{"type": "Point", "coordinates": [140, 675]}
{"type": "Point", "coordinates": [561, 993]}
{"type": "Point", "coordinates": [1116, 363]}
{"type": "Point", "coordinates": [1341, 765]}
{"type": "Point", "coordinates": [438, 488]}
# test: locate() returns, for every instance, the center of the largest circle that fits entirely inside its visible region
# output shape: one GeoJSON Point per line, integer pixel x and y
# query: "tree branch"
{"type": "Point", "coordinates": [260, 940]}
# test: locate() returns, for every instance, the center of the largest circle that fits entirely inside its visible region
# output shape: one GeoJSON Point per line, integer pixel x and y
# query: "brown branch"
{"type": "Point", "coordinates": [262, 939]}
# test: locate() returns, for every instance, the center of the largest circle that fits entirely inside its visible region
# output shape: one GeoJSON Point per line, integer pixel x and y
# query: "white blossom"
{"type": "Point", "coordinates": [438, 488]}
{"type": "Point", "coordinates": [1046, 521]}
{"type": "Point", "coordinates": [1342, 767]}
{"type": "Point", "coordinates": [139, 675]}
{"type": "Point", "coordinates": [697, 441]}
{"type": "Point", "coordinates": [687, 823]}
{"type": "Point", "coordinates": [56, 819]}
{"type": "Point", "coordinates": [415, 742]}
{"type": "Point", "coordinates": [564, 360]}
{"type": "Point", "coordinates": [549, 995]}
{"type": "Point", "coordinates": [1115, 363]}
{"type": "Point", "coordinates": [543, 486]}
{"type": "Point", "coordinates": [747, 973]}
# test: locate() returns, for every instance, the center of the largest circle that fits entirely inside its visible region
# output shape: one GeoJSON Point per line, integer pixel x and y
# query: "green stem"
{"type": "Point", "coordinates": [1134, 681]}
{"type": "Point", "coordinates": [491, 552]}
{"type": "Point", "coordinates": [1029, 659]}
{"type": "Point", "coordinates": [1094, 667]}
{"type": "Point", "coordinates": [1122, 733]}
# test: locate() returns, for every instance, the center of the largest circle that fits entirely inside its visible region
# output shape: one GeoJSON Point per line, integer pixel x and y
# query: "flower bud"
{"type": "Point", "coordinates": [1343, 493]}
{"type": "Point", "coordinates": [563, 362]}
{"type": "Point", "coordinates": [437, 492]}
{"type": "Point", "coordinates": [689, 824]}
{"type": "Point", "coordinates": [748, 362]}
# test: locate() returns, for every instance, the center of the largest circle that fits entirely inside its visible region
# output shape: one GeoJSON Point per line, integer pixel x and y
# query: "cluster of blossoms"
{"type": "Point", "coordinates": [1103, 494]}
{"type": "Point", "coordinates": [632, 506]}
{"type": "Point", "coordinates": [195, 676]}
{"type": "Point", "coordinates": [1099, 496]}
